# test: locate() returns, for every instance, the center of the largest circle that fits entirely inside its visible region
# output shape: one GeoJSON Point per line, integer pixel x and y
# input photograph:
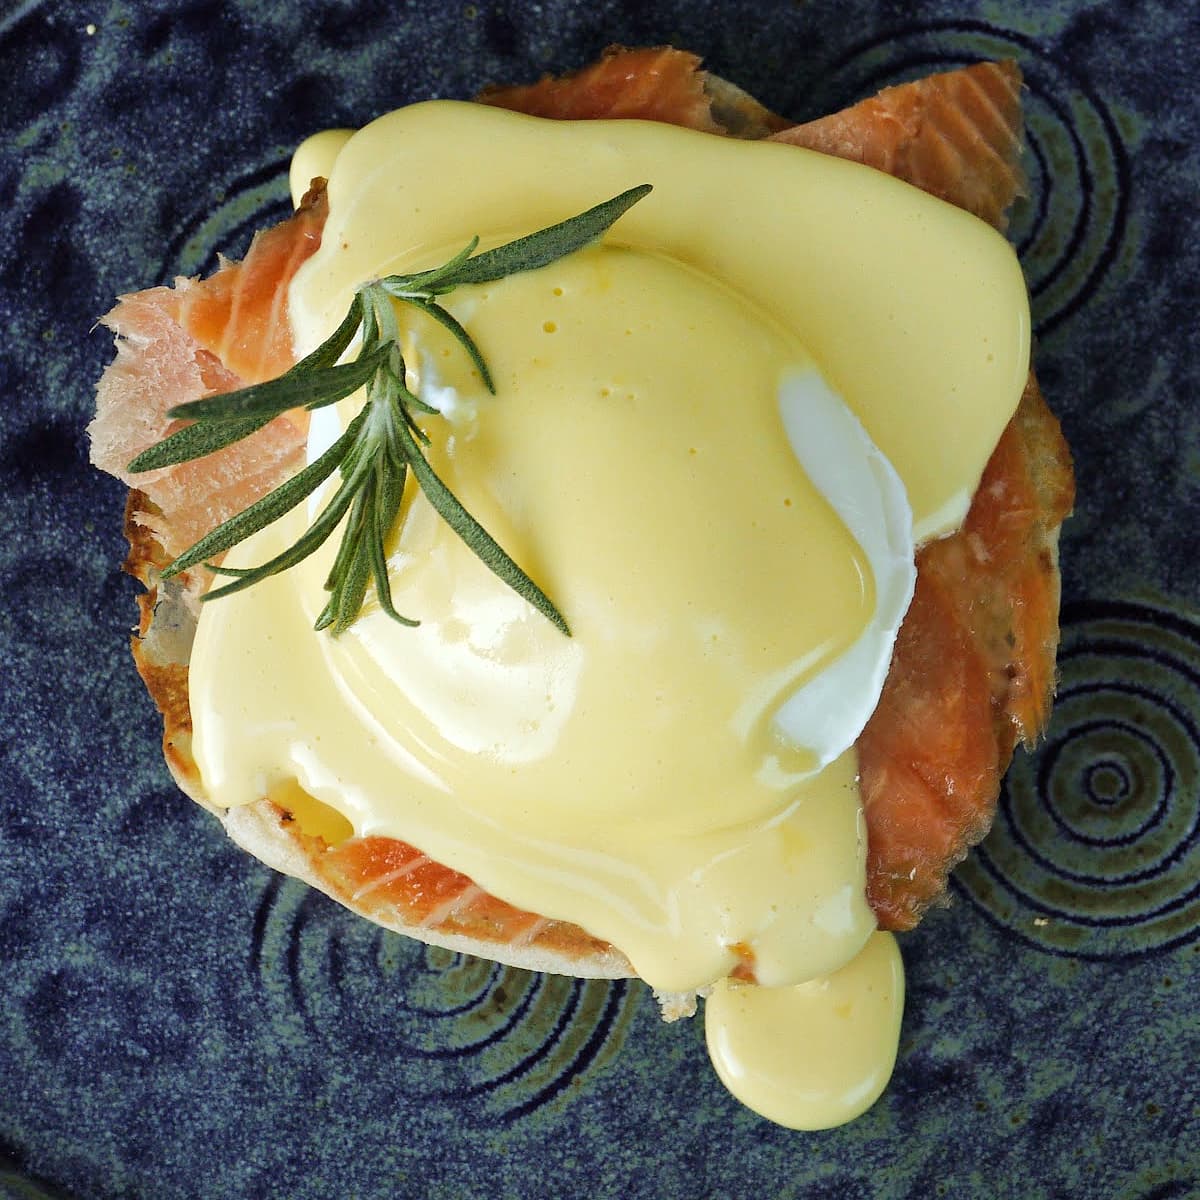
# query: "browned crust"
{"type": "Point", "coordinates": [165, 677]}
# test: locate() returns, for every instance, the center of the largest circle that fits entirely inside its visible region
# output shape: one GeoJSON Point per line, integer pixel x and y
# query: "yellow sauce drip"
{"type": "Point", "coordinates": [815, 1054]}
{"type": "Point", "coordinates": [634, 462]}
{"type": "Point", "coordinates": [314, 819]}
{"type": "Point", "coordinates": [314, 159]}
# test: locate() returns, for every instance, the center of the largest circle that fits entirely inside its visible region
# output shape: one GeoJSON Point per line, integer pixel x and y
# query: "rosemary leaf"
{"type": "Point", "coordinates": [313, 389]}
{"type": "Point", "coordinates": [222, 569]}
{"type": "Point", "coordinates": [449, 321]}
{"type": "Point", "coordinates": [402, 415]}
{"type": "Point", "coordinates": [403, 287]}
{"type": "Point", "coordinates": [313, 539]}
{"type": "Point", "coordinates": [481, 543]}
{"type": "Point", "coordinates": [195, 441]}
{"type": "Point", "coordinates": [548, 245]}
{"type": "Point", "coordinates": [410, 401]}
{"type": "Point", "coordinates": [347, 549]}
{"type": "Point", "coordinates": [334, 346]}
{"type": "Point", "coordinates": [270, 507]}
{"type": "Point", "coordinates": [350, 588]}
{"type": "Point", "coordinates": [389, 495]}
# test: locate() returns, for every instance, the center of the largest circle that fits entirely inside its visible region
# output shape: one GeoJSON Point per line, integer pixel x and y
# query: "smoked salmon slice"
{"type": "Point", "coordinates": [971, 674]}
{"type": "Point", "coordinates": [200, 338]}
{"type": "Point", "coordinates": [972, 671]}
{"type": "Point", "coordinates": [654, 84]}
{"type": "Point", "coordinates": [650, 84]}
{"type": "Point", "coordinates": [956, 135]}
{"type": "Point", "coordinates": [239, 315]}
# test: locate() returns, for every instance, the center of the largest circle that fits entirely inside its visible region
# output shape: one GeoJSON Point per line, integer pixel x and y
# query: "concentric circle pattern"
{"type": "Point", "coordinates": [1069, 234]}
{"type": "Point", "coordinates": [1096, 848]}
{"type": "Point", "coordinates": [176, 1021]}
{"type": "Point", "coordinates": [498, 1041]}
{"type": "Point", "coordinates": [16, 1186]}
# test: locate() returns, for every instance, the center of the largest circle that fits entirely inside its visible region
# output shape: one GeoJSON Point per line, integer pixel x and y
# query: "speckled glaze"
{"type": "Point", "coordinates": [176, 1021]}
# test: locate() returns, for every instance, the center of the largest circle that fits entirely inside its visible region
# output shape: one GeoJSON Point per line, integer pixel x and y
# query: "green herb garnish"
{"type": "Point", "coordinates": [381, 444]}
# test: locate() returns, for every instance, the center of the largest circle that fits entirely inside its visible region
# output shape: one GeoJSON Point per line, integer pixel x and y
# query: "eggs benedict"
{"type": "Point", "coordinates": [718, 438]}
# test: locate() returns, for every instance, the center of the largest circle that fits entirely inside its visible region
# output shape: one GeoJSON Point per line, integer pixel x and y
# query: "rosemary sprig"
{"type": "Point", "coordinates": [381, 444]}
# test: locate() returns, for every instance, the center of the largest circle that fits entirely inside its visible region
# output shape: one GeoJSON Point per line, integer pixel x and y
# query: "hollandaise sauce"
{"type": "Point", "coordinates": [715, 439]}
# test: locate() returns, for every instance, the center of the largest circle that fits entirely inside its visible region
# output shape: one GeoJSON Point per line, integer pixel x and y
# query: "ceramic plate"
{"type": "Point", "coordinates": [177, 1021]}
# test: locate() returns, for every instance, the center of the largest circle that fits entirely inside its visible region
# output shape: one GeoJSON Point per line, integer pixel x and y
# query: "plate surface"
{"type": "Point", "coordinates": [177, 1021]}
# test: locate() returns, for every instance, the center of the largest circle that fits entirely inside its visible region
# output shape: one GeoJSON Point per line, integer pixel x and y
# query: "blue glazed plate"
{"type": "Point", "coordinates": [177, 1021]}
